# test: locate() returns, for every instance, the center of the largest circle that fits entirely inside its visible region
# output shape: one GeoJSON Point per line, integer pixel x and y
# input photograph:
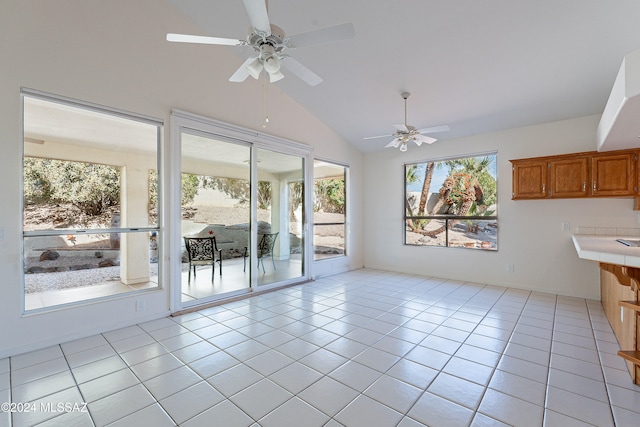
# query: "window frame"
{"type": "Point", "coordinates": [153, 230]}
{"type": "Point", "coordinates": [448, 217]}
{"type": "Point", "coordinates": [345, 222]}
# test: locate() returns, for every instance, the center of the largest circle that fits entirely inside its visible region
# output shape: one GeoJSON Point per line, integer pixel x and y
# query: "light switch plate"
{"type": "Point", "coordinates": [2, 233]}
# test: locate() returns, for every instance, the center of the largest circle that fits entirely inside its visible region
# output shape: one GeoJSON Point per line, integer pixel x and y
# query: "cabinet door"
{"type": "Point", "coordinates": [613, 174]}
{"type": "Point", "coordinates": [529, 180]}
{"type": "Point", "coordinates": [569, 177]}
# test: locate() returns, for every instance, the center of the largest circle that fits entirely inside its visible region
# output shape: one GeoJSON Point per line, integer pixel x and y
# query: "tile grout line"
{"type": "Point", "coordinates": [606, 383]}
{"type": "Point", "coordinates": [475, 411]}
{"type": "Point", "coordinates": [495, 368]}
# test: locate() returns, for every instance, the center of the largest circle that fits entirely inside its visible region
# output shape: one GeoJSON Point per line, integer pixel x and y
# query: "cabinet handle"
{"type": "Point", "coordinates": [594, 186]}
{"type": "Point", "coordinates": [543, 188]}
{"type": "Point", "coordinates": [584, 186]}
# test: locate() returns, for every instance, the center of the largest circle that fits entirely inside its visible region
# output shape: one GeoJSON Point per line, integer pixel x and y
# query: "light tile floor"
{"type": "Point", "coordinates": [364, 348]}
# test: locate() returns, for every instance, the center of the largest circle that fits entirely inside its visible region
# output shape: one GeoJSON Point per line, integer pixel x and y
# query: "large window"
{"type": "Point", "coordinates": [452, 203]}
{"type": "Point", "coordinates": [90, 218]}
{"type": "Point", "coordinates": [329, 209]}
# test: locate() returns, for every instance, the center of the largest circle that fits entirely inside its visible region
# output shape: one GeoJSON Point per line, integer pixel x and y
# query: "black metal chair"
{"type": "Point", "coordinates": [265, 248]}
{"type": "Point", "coordinates": [203, 251]}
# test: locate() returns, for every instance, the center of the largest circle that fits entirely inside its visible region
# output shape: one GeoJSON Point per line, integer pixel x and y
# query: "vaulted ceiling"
{"type": "Point", "coordinates": [478, 66]}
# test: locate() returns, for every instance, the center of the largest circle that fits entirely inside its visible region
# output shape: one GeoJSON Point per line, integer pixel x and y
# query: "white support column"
{"type": "Point", "coordinates": [134, 247]}
{"type": "Point", "coordinates": [280, 218]}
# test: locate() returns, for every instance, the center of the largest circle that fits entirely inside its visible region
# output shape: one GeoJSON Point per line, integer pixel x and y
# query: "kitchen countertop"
{"type": "Point", "coordinates": [606, 249]}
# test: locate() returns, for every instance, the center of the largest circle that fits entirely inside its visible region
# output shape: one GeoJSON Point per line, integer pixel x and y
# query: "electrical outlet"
{"type": "Point", "coordinates": [2, 233]}
{"type": "Point", "coordinates": [510, 268]}
{"type": "Point", "coordinates": [566, 226]}
{"type": "Point", "coordinates": [141, 305]}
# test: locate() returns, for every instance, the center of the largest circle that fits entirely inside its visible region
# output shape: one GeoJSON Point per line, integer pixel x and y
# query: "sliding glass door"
{"type": "Point", "coordinates": [215, 217]}
{"type": "Point", "coordinates": [280, 218]}
{"type": "Point", "coordinates": [240, 222]}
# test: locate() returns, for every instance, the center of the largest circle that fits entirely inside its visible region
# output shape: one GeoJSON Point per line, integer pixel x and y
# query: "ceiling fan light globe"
{"type": "Point", "coordinates": [255, 68]}
{"type": "Point", "coordinates": [271, 64]}
{"type": "Point", "coordinates": [403, 147]}
{"type": "Point", "coordinates": [274, 77]}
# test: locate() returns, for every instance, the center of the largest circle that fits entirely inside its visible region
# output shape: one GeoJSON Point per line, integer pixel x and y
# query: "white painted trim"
{"type": "Point", "coordinates": [455, 156]}
{"type": "Point", "coordinates": [228, 130]}
{"type": "Point", "coordinates": [72, 102]}
{"type": "Point", "coordinates": [172, 232]}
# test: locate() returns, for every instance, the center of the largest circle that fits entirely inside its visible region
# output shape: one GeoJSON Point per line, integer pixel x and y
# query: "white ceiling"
{"type": "Point", "coordinates": [476, 65]}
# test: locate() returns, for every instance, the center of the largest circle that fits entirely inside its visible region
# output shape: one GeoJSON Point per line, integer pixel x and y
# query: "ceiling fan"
{"type": "Point", "coordinates": [405, 133]}
{"type": "Point", "coordinates": [269, 43]}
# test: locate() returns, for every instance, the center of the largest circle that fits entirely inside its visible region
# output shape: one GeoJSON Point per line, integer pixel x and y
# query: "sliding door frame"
{"type": "Point", "coordinates": [181, 120]}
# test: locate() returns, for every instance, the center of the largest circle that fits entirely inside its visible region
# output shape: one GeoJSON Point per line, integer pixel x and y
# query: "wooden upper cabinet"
{"type": "Point", "coordinates": [569, 177]}
{"type": "Point", "coordinates": [529, 179]}
{"type": "Point", "coordinates": [587, 174]}
{"type": "Point", "coordinates": [614, 174]}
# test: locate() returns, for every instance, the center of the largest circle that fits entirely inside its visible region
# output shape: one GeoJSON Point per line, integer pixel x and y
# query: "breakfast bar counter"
{"type": "Point", "coordinates": [619, 259]}
{"type": "Point", "coordinates": [608, 249]}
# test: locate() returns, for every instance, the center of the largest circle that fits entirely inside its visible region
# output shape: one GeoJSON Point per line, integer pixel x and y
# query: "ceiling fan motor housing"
{"type": "Point", "coordinates": [275, 39]}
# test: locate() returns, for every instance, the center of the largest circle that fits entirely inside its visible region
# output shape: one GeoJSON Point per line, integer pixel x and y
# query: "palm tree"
{"type": "Point", "coordinates": [474, 166]}
{"type": "Point", "coordinates": [411, 176]}
{"type": "Point", "coordinates": [411, 173]}
{"type": "Point", "coordinates": [477, 167]}
{"type": "Point", "coordinates": [428, 175]}
{"type": "Point", "coordinates": [463, 188]}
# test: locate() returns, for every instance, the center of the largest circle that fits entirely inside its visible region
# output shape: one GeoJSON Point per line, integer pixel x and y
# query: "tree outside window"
{"type": "Point", "coordinates": [452, 202]}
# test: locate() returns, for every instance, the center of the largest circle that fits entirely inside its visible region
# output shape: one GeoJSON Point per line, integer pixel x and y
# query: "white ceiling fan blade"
{"type": "Point", "coordinates": [379, 136]}
{"type": "Point", "coordinates": [301, 71]}
{"type": "Point", "coordinates": [242, 72]}
{"type": "Point", "coordinates": [395, 143]}
{"type": "Point", "coordinates": [419, 139]}
{"type": "Point", "coordinates": [401, 128]}
{"type": "Point", "coordinates": [187, 38]}
{"type": "Point", "coordinates": [443, 128]}
{"type": "Point", "coordinates": [257, 11]}
{"type": "Point", "coordinates": [323, 35]}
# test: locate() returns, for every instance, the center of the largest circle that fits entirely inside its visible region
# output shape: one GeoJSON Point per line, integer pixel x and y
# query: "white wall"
{"type": "Point", "coordinates": [530, 235]}
{"type": "Point", "coordinates": [114, 53]}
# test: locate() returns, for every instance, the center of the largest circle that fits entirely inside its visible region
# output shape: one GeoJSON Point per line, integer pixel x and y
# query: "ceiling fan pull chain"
{"type": "Point", "coordinates": [265, 102]}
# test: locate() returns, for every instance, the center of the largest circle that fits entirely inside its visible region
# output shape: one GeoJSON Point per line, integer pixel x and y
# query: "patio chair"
{"type": "Point", "coordinates": [203, 251]}
{"type": "Point", "coordinates": [265, 248]}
